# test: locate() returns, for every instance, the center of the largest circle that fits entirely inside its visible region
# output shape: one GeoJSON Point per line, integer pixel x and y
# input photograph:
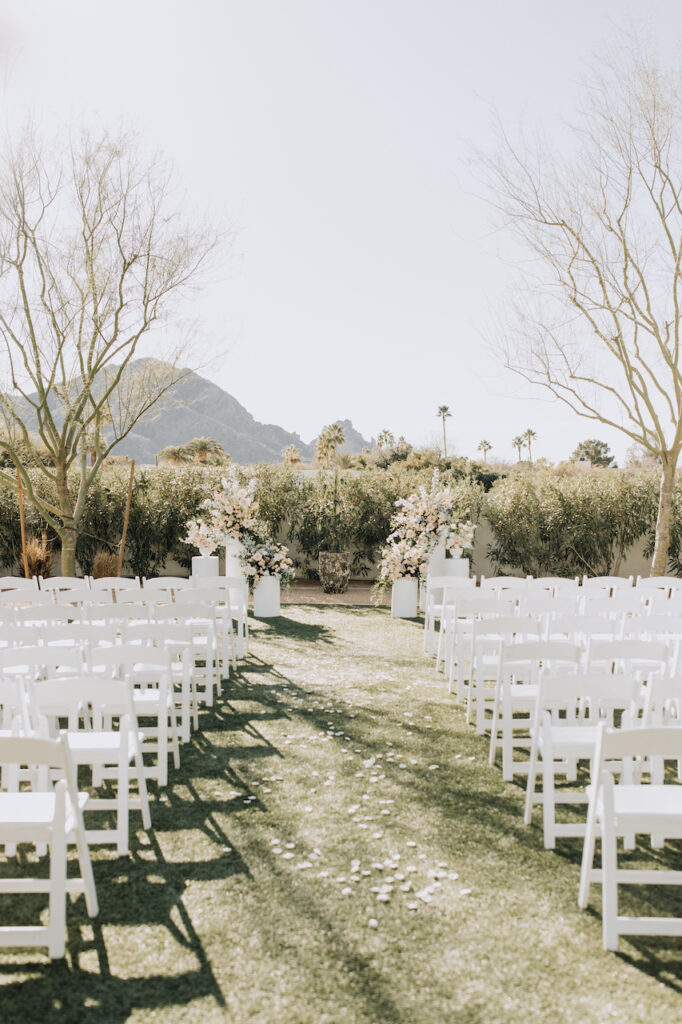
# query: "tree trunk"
{"type": "Point", "coordinates": [68, 533]}
{"type": "Point", "coordinates": [445, 444]}
{"type": "Point", "coordinates": [664, 517]}
{"type": "Point", "coordinates": [68, 539]}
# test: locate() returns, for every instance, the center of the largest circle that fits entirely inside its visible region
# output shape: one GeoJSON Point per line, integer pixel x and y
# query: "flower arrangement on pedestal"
{"type": "Point", "coordinates": [429, 516]}
{"type": "Point", "coordinates": [422, 522]}
{"type": "Point", "coordinates": [265, 557]}
{"type": "Point", "coordinates": [232, 511]}
{"type": "Point", "coordinates": [202, 536]}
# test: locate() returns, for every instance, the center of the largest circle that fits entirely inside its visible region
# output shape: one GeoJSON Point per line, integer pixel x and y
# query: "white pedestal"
{"type": "Point", "coordinates": [404, 598]}
{"type": "Point", "coordinates": [266, 595]}
{"type": "Point", "coordinates": [204, 567]}
{"type": "Point", "coordinates": [437, 562]}
{"type": "Point", "coordinates": [233, 565]}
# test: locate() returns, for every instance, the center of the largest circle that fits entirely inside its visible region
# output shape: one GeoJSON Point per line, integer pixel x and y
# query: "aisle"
{"type": "Point", "coordinates": [336, 849]}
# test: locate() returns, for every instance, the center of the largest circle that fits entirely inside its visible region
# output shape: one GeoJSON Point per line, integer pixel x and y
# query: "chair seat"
{"type": "Point", "coordinates": [34, 811]}
{"type": "Point", "coordinates": [574, 740]}
{"type": "Point", "coordinates": [100, 747]}
{"type": "Point", "coordinates": [647, 809]}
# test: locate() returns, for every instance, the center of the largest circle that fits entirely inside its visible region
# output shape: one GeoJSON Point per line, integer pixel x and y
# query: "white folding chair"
{"type": "Point", "coordinates": [519, 665]}
{"type": "Point", "coordinates": [457, 627]}
{"type": "Point", "coordinates": [433, 609]}
{"type": "Point", "coordinates": [568, 710]}
{"type": "Point", "coordinates": [180, 641]}
{"type": "Point", "coordinates": [89, 703]}
{"type": "Point", "coordinates": [54, 817]}
{"type": "Point", "coordinates": [215, 606]}
{"type": "Point", "coordinates": [487, 637]}
{"type": "Point", "coordinates": [150, 670]}
{"type": "Point", "coordinates": [630, 807]}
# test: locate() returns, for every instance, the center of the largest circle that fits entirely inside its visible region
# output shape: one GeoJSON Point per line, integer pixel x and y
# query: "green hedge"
{"type": "Point", "coordinates": [543, 522]}
{"type": "Point", "coordinates": [550, 525]}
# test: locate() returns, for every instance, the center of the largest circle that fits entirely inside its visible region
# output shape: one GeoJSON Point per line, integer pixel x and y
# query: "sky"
{"type": "Point", "coordinates": [333, 140]}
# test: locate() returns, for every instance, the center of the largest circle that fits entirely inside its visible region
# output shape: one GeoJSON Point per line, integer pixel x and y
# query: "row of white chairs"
{"type": "Point", "coordinates": [128, 679]}
{"type": "Point", "coordinates": [443, 592]}
{"type": "Point", "coordinates": [559, 697]}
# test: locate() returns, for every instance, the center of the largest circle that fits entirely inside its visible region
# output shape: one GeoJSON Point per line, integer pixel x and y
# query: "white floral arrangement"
{"type": "Point", "coordinates": [266, 557]}
{"type": "Point", "coordinates": [401, 558]}
{"type": "Point", "coordinates": [422, 522]}
{"type": "Point", "coordinates": [202, 536]}
{"type": "Point", "coordinates": [233, 510]}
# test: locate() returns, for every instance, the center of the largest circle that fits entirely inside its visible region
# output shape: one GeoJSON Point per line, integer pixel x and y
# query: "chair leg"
{"type": "Point", "coordinates": [122, 806]}
{"type": "Point", "coordinates": [548, 802]}
{"type": "Point", "coordinates": [609, 858]}
{"type": "Point", "coordinates": [142, 788]}
{"type": "Point", "coordinates": [57, 899]}
{"type": "Point", "coordinates": [530, 786]}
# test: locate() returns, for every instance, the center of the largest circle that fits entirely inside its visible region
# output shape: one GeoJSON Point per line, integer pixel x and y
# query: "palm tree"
{"type": "Point", "coordinates": [328, 443]}
{"type": "Point", "coordinates": [484, 446]}
{"type": "Point", "coordinates": [385, 439]}
{"type": "Point", "coordinates": [529, 436]}
{"type": "Point", "coordinates": [203, 447]}
{"type": "Point", "coordinates": [444, 412]}
{"type": "Point", "coordinates": [518, 442]}
{"type": "Point", "coordinates": [291, 455]}
{"type": "Point", "coordinates": [175, 454]}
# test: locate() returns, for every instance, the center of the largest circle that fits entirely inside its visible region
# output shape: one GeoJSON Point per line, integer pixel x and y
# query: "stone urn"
{"type": "Point", "coordinates": [334, 569]}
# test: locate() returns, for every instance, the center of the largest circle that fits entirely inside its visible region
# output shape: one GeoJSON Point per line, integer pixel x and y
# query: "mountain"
{"type": "Point", "coordinates": [197, 407]}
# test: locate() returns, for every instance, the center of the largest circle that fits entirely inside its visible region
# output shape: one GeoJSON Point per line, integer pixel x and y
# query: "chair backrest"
{"type": "Point", "coordinates": [587, 697]}
{"type": "Point", "coordinates": [72, 595]}
{"type": "Point", "coordinates": [79, 634]}
{"type": "Point", "coordinates": [525, 660]}
{"type": "Point", "coordinates": [632, 655]}
{"type": "Point", "coordinates": [653, 627]}
{"type": "Point", "coordinates": [482, 606]}
{"type": "Point", "coordinates": [637, 742]}
{"type": "Point", "coordinates": [62, 582]}
{"type": "Point", "coordinates": [9, 583]}
{"type": "Point", "coordinates": [14, 704]}
{"type": "Point", "coordinates": [113, 582]}
{"type": "Point", "coordinates": [157, 634]}
{"type": "Point", "coordinates": [545, 603]}
{"type": "Point", "coordinates": [32, 661]}
{"type": "Point", "coordinates": [514, 583]}
{"type": "Point", "coordinates": [37, 751]}
{"type": "Point", "coordinates": [125, 659]}
{"type": "Point", "coordinates": [555, 584]}
{"type": "Point", "coordinates": [608, 583]}
{"type": "Point", "coordinates": [662, 701]}
{"type": "Point", "coordinates": [166, 583]}
{"type": "Point", "coordinates": [84, 700]}
{"type": "Point", "coordinates": [623, 602]}
{"type": "Point", "coordinates": [580, 627]}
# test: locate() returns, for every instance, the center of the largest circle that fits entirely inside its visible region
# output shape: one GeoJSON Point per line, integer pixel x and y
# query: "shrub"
{"type": "Point", "coordinates": [548, 525]}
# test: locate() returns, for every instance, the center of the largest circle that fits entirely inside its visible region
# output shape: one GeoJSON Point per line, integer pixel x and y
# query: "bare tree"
{"type": "Point", "coordinates": [605, 227]}
{"type": "Point", "coordinates": [92, 256]}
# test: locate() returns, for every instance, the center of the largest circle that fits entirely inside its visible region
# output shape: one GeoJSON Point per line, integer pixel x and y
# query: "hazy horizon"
{"type": "Point", "coordinates": [334, 140]}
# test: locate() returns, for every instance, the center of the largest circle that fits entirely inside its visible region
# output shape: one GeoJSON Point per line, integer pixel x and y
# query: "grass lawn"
{"type": "Point", "coordinates": [334, 850]}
